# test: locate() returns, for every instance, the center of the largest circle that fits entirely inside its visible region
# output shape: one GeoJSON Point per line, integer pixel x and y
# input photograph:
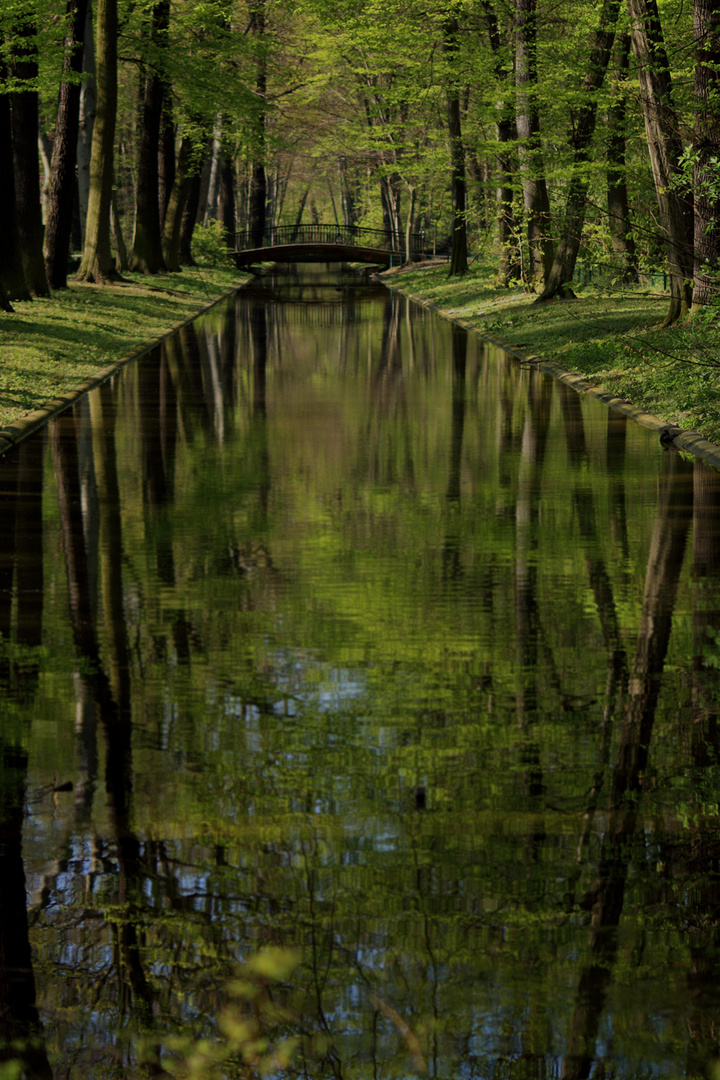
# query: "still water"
{"type": "Point", "coordinates": [359, 715]}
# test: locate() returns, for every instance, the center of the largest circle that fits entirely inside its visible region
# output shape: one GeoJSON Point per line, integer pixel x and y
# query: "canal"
{"type": "Point", "coordinates": [359, 715]}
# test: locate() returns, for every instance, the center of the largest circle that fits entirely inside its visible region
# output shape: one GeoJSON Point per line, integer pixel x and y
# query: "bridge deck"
{"type": "Point", "coordinates": [317, 252]}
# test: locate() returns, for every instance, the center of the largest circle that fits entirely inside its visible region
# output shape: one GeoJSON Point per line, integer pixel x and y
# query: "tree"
{"type": "Point", "coordinates": [258, 181]}
{"type": "Point", "coordinates": [25, 126]}
{"type": "Point", "coordinates": [532, 170]}
{"type": "Point", "coordinates": [663, 138]}
{"type": "Point", "coordinates": [706, 151]}
{"type": "Point", "coordinates": [97, 264]}
{"type": "Point", "coordinates": [147, 253]}
{"type": "Point", "coordinates": [558, 281]}
{"type": "Point", "coordinates": [458, 253]}
{"type": "Point", "coordinates": [12, 274]}
{"type": "Point", "coordinates": [61, 188]}
{"type": "Point", "coordinates": [623, 243]}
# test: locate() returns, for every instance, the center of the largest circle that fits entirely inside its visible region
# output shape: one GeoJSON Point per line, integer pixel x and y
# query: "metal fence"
{"type": "Point", "coordinates": [351, 235]}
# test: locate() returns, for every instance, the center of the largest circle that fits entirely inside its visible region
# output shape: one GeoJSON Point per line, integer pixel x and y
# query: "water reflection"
{"type": "Point", "coordinates": [324, 626]}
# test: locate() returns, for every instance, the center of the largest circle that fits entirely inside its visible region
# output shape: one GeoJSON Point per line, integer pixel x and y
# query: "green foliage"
{"type": "Point", "coordinates": [210, 245]}
{"type": "Point", "coordinates": [251, 1037]}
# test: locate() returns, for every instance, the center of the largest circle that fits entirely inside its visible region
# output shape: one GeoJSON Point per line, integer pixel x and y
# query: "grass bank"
{"type": "Point", "coordinates": [612, 338]}
{"type": "Point", "coordinates": [49, 347]}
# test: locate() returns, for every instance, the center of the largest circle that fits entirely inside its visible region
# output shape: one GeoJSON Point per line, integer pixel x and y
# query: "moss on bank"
{"type": "Point", "coordinates": [610, 337]}
{"type": "Point", "coordinates": [48, 347]}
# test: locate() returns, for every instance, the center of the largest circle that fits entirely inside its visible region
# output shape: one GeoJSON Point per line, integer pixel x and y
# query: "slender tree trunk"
{"type": "Point", "coordinates": [532, 169]}
{"type": "Point", "coordinates": [509, 263]}
{"type": "Point", "coordinates": [663, 138]}
{"type": "Point", "coordinates": [189, 219]}
{"type": "Point", "coordinates": [88, 107]}
{"type": "Point", "coordinates": [210, 210]}
{"type": "Point", "coordinates": [623, 244]}
{"type": "Point", "coordinates": [121, 256]}
{"type": "Point", "coordinates": [97, 265]}
{"type": "Point", "coordinates": [147, 256]}
{"type": "Point", "coordinates": [25, 125]}
{"type": "Point", "coordinates": [706, 145]}
{"type": "Point", "coordinates": [226, 200]}
{"type": "Point", "coordinates": [390, 194]}
{"type": "Point", "coordinates": [558, 282]}
{"type": "Point", "coordinates": [458, 254]}
{"type": "Point", "coordinates": [301, 210]}
{"type": "Point", "coordinates": [61, 193]}
{"type": "Point", "coordinates": [258, 183]}
{"type": "Point", "coordinates": [409, 223]}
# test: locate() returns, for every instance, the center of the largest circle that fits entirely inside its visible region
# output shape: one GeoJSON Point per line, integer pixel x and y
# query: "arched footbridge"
{"type": "Point", "coordinates": [328, 243]}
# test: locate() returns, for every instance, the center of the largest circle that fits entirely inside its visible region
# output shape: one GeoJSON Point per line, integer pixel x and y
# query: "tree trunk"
{"type": "Point", "coordinates": [409, 224]}
{"type": "Point", "coordinates": [532, 169]}
{"type": "Point", "coordinates": [662, 132]}
{"type": "Point", "coordinates": [706, 146]}
{"type": "Point", "coordinates": [172, 229]}
{"type": "Point", "coordinates": [25, 125]}
{"type": "Point", "coordinates": [301, 210]}
{"type": "Point", "coordinates": [97, 264]}
{"type": "Point", "coordinates": [166, 164]}
{"type": "Point", "coordinates": [510, 262]}
{"type": "Point", "coordinates": [146, 256]}
{"type": "Point", "coordinates": [122, 262]}
{"type": "Point", "coordinates": [12, 273]}
{"type": "Point", "coordinates": [61, 188]}
{"type": "Point", "coordinates": [189, 219]}
{"type": "Point", "coordinates": [458, 254]}
{"type": "Point", "coordinates": [390, 195]}
{"type": "Point", "coordinates": [226, 201]}
{"type": "Point", "coordinates": [623, 244]}
{"type": "Point", "coordinates": [210, 209]}
{"type": "Point", "coordinates": [258, 184]}
{"type": "Point", "coordinates": [88, 106]}
{"type": "Point", "coordinates": [558, 283]}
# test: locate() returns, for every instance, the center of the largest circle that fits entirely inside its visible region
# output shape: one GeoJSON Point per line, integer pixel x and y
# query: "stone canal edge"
{"type": "Point", "coordinates": [689, 441]}
{"type": "Point", "coordinates": [14, 433]}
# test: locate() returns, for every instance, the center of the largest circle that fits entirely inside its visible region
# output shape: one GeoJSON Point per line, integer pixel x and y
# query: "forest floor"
{"type": "Point", "coordinates": [48, 347]}
{"type": "Point", "coordinates": [610, 336]}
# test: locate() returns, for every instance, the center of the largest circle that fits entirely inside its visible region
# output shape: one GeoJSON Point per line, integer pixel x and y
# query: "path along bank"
{"type": "Point", "coordinates": [608, 343]}
{"type": "Point", "coordinates": [53, 350]}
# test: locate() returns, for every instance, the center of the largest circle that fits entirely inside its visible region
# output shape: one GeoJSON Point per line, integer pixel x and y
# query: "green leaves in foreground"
{"type": "Point", "coordinates": [252, 1027]}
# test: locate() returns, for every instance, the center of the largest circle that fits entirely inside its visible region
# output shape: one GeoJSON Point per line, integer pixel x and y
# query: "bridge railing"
{"type": "Point", "coordinates": [352, 235]}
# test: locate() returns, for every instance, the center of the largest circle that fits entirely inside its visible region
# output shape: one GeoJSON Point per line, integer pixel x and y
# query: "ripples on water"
{"type": "Point", "coordinates": [352, 636]}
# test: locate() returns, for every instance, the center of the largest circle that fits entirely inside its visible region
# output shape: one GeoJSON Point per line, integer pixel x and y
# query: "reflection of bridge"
{"type": "Point", "coordinates": [327, 243]}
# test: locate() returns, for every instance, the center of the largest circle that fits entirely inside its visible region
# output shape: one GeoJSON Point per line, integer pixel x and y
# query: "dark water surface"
{"type": "Point", "coordinates": [328, 628]}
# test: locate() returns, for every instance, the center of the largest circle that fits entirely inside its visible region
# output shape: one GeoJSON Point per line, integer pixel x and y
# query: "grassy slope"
{"type": "Point", "coordinates": [48, 347]}
{"type": "Point", "coordinates": [612, 338]}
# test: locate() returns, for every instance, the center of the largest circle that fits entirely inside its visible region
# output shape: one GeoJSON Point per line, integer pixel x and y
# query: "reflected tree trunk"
{"type": "Point", "coordinates": [604, 900]}
{"type": "Point", "coordinates": [451, 564]}
{"type": "Point", "coordinates": [527, 615]}
{"type": "Point", "coordinates": [21, 1034]}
